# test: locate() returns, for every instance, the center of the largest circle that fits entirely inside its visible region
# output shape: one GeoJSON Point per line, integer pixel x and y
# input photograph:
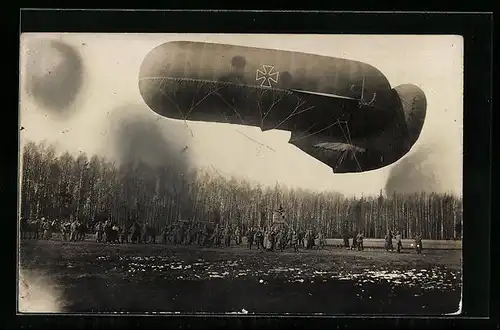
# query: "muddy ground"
{"type": "Point", "coordinates": [91, 277]}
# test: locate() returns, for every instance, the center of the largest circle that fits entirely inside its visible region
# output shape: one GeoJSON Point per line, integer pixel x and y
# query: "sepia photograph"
{"type": "Point", "coordinates": [290, 174]}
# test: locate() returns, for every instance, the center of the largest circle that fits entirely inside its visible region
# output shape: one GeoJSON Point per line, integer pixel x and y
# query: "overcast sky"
{"type": "Point", "coordinates": [111, 64]}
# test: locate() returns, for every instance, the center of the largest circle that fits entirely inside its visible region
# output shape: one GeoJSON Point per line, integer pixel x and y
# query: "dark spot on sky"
{"type": "Point", "coordinates": [238, 62]}
{"type": "Point", "coordinates": [57, 88]}
{"type": "Point", "coordinates": [285, 79]}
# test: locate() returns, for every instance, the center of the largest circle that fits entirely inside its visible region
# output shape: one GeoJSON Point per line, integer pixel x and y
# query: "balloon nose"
{"type": "Point", "coordinates": [156, 84]}
{"type": "Point", "coordinates": [155, 93]}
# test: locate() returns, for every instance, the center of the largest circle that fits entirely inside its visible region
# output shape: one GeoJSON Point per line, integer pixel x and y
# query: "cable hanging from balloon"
{"type": "Point", "coordinates": [362, 101]}
{"type": "Point", "coordinates": [275, 99]}
{"type": "Point", "coordinates": [162, 85]}
{"type": "Point", "coordinates": [349, 141]}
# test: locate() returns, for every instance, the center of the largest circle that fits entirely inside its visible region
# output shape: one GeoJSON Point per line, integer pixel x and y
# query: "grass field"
{"type": "Point", "coordinates": [91, 277]}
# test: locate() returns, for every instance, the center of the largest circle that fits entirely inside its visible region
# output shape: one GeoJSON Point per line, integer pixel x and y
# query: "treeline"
{"type": "Point", "coordinates": [94, 189]}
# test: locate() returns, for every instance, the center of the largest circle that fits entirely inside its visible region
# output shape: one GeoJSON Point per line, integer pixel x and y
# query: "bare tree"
{"type": "Point", "coordinates": [60, 186]}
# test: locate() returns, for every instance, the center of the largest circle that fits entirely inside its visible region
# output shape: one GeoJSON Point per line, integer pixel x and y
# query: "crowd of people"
{"type": "Point", "coordinates": [75, 230]}
{"type": "Point", "coordinates": [399, 245]}
{"type": "Point", "coordinates": [44, 228]}
{"type": "Point", "coordinates": [275, 237]}
{"type": "Point", "coordinates": [271, 237]}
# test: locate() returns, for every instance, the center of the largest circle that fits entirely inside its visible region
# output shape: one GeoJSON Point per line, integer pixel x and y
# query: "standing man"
{"type": "Point", "coordinates": [259, 239]}
{"type": "Point", "coordinates": [418, 243]}
{"type": "Point", "coordinates": [35, 228]}
{"type": "Point", "coordinates": [391, 236]}
{"type": "Point", "coordinates": [98, 231]}
{"type": "Point", "coordinates": [354, 244]}
{"type": "Point", "coordinates": [144, 233]}
{"type": "Point", "coordinates": [215, 236]}
{"type": "Point", "coordinates": [237, 235]}
{"type": "Point", "coordinates": [73, 230]}
{"type": "Point", "coordinates": [310, 238]}
{"type": "Point", "coordinates": [164, 234]}
{"type": "Point", "coordinates": [65, 229]}
{"type": "Point", "coordinates": [300, 237]}
{"type": "Point", "coordinates": [227, 236]}
{"type": "Point", "coordinates": [346, 240]}
{"type": "Point", "coordinates": [388, 241]}
{"type": "Point", "coordinates": [283, 239]}
{"type": "Point", "coordinates": [398, 242]}
{"type": "Point", "coordinates": [197, 234]}
{"type": "Point", "coordinates": [359, 242]}
{"type": "Point", "coordinates": [124, 234]}
{"type": "Point", "coordinates": [307, 238]}
{"type": "Point", "coordinates": [294, 240]}
{"type": "Point", "coordinates": [458, 231]}
{"type": "Point", "coordinates": [250, 236]}
{"type": "Point", "coordinates": [24, 227]}
{"type": "Point", "coordinates": [321, 239]}
{"type": "Point", "coordinates": [136, 232]}
{"type": "Point", "coordinates": [82, 230]}
{"type": "Point", "coordinates": [182, 233]}
{"type": "Point", "coordinates": [188, 237]}
{"type": "Point", "coordinates": [54, 226]}
{"type": "Point", "coordinates": [204, 235]}
{"type": "Point", "coordinates": [273, 238]}
{"type": "Point", "coordinates": [175, 234]}
{"type": "Point", "coordinates": [267, 239]}
{"type": "Point", "coordinates": [46, 229]}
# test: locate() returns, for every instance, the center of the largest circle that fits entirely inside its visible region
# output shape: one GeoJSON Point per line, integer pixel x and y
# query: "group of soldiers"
{"type": "Point", "coordinates": [224, 235]}
{"type": "Point", "coordinates": [399, 244]}
{"type": "Point", "coordinates": [44, 228]}
{"type": "Point", "coordinates": [181, 232]}
{"type": "Point", "coordinates": [357, 242]}
{"type": "Point", "coordinates": [284, 237]}
{"type": "Point", "coordinates": [76, 230]}
{"type": "Point", "coordinates": [110, 232]}
{"type": "Point", "coordinates": [187, 233]}
{"type": "Point", "coordinates": [273, 237]}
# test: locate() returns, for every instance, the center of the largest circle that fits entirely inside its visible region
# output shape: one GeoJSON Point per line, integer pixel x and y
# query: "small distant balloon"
{"type": "Point", "coordinates": [53, 75]}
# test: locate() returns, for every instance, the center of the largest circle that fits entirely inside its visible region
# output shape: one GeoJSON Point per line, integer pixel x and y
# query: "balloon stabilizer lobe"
{"type": "Point", "coordinates": [344, 113]}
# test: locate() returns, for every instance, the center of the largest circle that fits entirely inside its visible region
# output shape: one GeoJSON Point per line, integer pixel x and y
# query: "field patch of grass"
{"type": "Point", "coordinates": [158, 278]}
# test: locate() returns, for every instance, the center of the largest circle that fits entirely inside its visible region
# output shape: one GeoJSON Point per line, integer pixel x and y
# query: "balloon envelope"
{"type": "Point", "coordinates": [326, 103]}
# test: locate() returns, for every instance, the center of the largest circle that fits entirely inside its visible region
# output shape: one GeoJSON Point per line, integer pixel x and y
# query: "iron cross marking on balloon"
{"type": "Point", "coordinates": [267, 75]}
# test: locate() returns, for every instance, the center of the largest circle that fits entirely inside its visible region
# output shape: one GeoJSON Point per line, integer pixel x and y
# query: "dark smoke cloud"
{"type": "Point", "coordinates": [56, 89]}
{"type": "Point", "coordinates": [140, 136]}
{"type": "Point", "coordinates": [424, 170]}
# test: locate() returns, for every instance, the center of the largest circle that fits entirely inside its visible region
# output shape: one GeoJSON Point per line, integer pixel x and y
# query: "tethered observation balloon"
{"type": "Point", "coordinates": [341, 112]}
